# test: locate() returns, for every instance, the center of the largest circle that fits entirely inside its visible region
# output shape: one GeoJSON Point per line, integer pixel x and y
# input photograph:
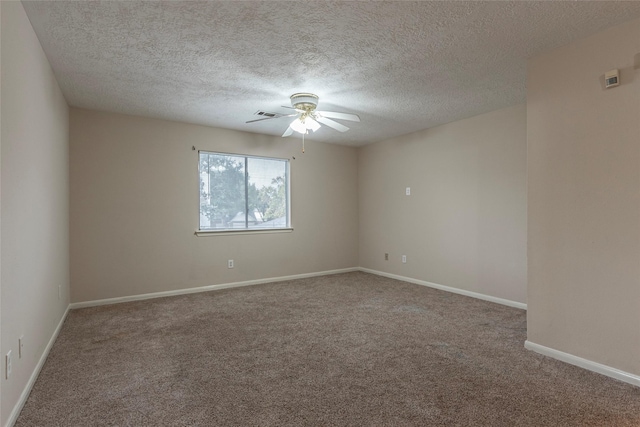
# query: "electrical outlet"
{"type": "Point", "coordinates": [20, 346]}
{"type": "Point", "coordinates": [386, 257]}
{"type": "Point", "coordinates": [230, 263]}
{"type": "Point", "coordinates": [404, 259]}
{"type": "Point", "coordinates": [407, 191]}
{"type": "Point", "coordinates": [7, 366]}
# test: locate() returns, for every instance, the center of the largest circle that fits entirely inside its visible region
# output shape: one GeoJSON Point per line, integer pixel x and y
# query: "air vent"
{"type": "Point", "coordinates": [267, 114]}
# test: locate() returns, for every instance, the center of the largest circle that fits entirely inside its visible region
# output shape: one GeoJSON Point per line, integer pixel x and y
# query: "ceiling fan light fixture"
{"type": "Point", "coordinates": [298, 126]}
{"type": "Point", "coordinates": [312, 124]}
{"type": "Point", "coordinates": [303, 124]}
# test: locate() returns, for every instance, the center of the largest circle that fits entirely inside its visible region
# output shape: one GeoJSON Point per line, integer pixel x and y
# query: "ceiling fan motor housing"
{"type": "Point", "coordinates": [304, 101]}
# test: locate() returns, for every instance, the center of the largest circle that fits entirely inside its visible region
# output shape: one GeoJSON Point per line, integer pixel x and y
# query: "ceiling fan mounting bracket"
{"type": "Point", "coordinates": [304, 101]}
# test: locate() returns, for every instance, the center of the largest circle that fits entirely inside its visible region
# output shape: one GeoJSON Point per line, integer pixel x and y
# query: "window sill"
{"type": "Point", "coordinates": [208, 233]}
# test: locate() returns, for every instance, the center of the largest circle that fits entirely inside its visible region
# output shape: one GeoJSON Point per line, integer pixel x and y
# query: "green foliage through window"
{"type": "Point", "coordinates": [242, 192]}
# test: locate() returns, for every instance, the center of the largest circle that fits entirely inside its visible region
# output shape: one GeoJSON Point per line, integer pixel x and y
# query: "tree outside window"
{"type": "Point", "coordinates": [243, 192]}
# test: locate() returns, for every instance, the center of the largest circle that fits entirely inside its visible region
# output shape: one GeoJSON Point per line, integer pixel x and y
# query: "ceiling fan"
{"type": "Point", "coordinates": [307, 118]}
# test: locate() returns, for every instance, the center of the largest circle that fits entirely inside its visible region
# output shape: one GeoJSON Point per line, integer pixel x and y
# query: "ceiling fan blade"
{"type": "Point", "coordinates": [259, 120]}
{"type": "Point", "coordinates": [332, 124]}
{"type": "Point", "coordinates": [269, 118]}
{"type": "Point", "coordinates": [287, 132]}
{"type": "Point", "coordinates": [341, 116]}
{"type": "Point", "coordinates": [292, 108]}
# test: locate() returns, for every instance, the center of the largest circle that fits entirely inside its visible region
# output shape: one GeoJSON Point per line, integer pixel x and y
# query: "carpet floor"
{"type": "Point", "coordinates": [352, 349]}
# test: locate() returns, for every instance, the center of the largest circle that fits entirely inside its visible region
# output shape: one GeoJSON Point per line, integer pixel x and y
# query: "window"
{"type": "Point", "coordinates": [243, 192]}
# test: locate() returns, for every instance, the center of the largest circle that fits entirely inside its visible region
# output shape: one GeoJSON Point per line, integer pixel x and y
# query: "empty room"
{"type": "Point", "coordinates": [310, 213]}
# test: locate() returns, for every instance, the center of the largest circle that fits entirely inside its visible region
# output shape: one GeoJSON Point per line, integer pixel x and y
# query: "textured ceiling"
{"type": "Point", "coordinates": [401, 66]}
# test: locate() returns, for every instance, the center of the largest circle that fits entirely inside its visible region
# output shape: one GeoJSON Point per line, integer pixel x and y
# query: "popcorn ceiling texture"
{"type": "Point", "coordinates": [402, 66]}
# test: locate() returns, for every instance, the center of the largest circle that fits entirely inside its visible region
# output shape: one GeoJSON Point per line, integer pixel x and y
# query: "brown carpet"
{"type": "Point", "coordinates": [345, 350]}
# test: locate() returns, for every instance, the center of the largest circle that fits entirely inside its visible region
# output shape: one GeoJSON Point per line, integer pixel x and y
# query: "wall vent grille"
{"type": "Point", "coordinates": [267, 114]}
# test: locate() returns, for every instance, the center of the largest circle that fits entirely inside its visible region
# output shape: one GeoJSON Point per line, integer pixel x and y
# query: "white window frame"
{"type": "Point", "coordinates": [244, 231]}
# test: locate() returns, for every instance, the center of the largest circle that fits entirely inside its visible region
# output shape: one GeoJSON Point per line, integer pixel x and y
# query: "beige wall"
{"type": "Point", "coordinates": [584, 200]}
{"type": "Point", "coordinates": [464, 224]}
{"type": "Point", "coordinates": [134, 208]}
{"type": "Point", "coordinates": [1, 418]}
{"type": "Point", "coordinates": [35, 213]}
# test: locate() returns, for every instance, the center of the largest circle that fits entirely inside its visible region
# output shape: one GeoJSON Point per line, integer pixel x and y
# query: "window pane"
{"type": "Point", "coordinates": [268, 183]}
{"type": "Point", "coordinates": [241, 192]}
{"type": "Point", "coordinates": [222, 192]}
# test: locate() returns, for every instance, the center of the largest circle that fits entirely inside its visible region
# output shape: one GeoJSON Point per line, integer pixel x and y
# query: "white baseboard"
{"type": "Point", "coordinates": [34, 375]}
{"type": "Point", "coordinates": [584, 363]}
{"type": "Point", "coordinates": [477, 295]}
{"type": "Point", "coordinates": [556, 354]}
{"type": "Point", "coordinates": [117, 300]}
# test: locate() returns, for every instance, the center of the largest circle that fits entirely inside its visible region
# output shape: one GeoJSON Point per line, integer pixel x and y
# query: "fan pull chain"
{"type": "Point", "coordinates": [303, 140]}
